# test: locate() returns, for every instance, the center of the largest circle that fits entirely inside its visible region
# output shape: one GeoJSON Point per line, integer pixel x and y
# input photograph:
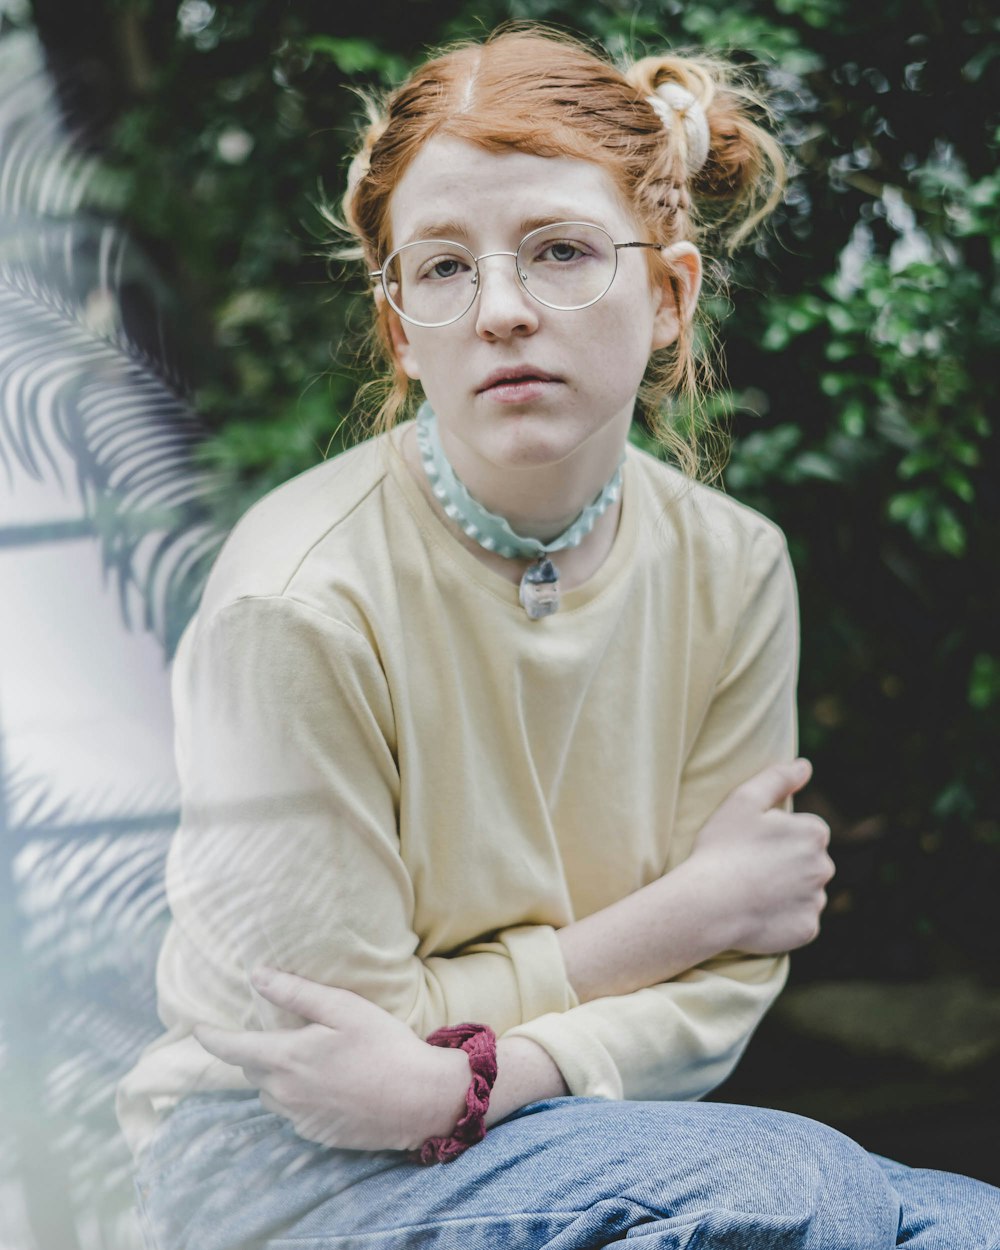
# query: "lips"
{"type": "Point", "coordinates": [515, 374]}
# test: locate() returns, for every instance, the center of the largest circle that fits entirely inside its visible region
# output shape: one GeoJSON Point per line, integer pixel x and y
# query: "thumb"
{"type": "Point", "coordinates": [296, 994]}
{"type": "Point", "coordinates": [773, 785]}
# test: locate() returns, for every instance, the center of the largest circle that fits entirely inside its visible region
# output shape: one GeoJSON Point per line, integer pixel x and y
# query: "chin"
{"type": "Point", "coordinates": [529, 444]}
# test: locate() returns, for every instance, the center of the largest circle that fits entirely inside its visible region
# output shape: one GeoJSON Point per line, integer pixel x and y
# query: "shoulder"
{"type": "Point", "coordinates": [281, 599]}
{"type": "Point", "coordinates": [723, 538]}
{"type": "Point", "coordinates": [273, 550]}
{"type": "Point", "coordinates": [726, 562]}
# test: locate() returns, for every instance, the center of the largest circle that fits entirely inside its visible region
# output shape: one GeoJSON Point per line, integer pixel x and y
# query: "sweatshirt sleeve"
{"type": "Point", "coordinates": [680, 1039]}
{"type": "Point", "coordinates": [288, 851]}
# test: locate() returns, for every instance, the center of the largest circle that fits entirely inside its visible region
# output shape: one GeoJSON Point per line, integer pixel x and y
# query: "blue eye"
{"type": "Point", "coordinates": [564, 251]}
{"type": "Point", "coordinates": [442, 268]}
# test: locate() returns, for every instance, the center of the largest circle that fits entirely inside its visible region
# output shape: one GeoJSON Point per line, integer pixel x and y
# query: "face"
{"type": "Point", "coordinates": [579, 370]}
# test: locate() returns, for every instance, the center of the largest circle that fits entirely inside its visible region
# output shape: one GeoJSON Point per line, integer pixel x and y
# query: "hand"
{"type": "Point", "coordinates": [356, 1077]}
{"type": "Point", "coordinates": [767, 867]}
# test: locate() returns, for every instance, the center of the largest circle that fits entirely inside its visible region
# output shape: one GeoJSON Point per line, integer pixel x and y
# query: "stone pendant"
{"type": "Point", "coordinates": [539, 591]}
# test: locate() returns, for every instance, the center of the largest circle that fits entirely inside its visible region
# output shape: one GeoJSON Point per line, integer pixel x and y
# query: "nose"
{"type": "Point", "coordinates": [503, 306]}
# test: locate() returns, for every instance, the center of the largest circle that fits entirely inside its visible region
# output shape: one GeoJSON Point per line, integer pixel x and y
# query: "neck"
{"type": "Point", "coordinates": [491, 529]}
{"type": "Point", "coordinates": [576, 564]}
{"type": "Point", "coordinates": [539, 500]}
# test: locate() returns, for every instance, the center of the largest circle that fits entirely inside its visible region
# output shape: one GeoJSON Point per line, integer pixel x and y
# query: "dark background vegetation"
{"type": "Point", "coordinates": [861, 335]}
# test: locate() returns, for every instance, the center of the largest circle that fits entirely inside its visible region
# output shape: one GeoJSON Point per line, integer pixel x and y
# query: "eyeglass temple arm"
{"type": "Point", "coordinates": [659, 246]}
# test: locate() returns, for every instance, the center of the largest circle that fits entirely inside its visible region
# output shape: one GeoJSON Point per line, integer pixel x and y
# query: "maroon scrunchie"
{"type": "Point", "coordinates": [480, 1043]}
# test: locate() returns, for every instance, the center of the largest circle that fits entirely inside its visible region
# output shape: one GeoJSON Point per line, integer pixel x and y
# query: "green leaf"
{"type": "Point", "coordinates": [916, 462]}
{"type": "Point", "coordinates": [907, 506]}
{"type": "Point", "coordinates": [841, 319]}
{"type": "Point", "coordinates": [813, 464]}
{"type": "Point", "coordinates": [357, 56]}
{"type": "Point", "coordinates": [959, 485]}
{"type": "Point", "coordinates": [852, 419]}
{"type": "Point", "coordinates": [834, 384]}
{"type": "Point", "coordinates": [984, 681]}
{"type": "Point", "coordinates": [950, 532]}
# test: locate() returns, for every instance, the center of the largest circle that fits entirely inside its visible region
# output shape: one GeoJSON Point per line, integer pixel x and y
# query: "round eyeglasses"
{"type": "Point", "coordinates": [567, 265]}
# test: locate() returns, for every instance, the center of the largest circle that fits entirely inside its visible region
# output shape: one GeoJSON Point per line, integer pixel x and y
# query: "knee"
{"type": "Point", "coordinates": [943, 1210]}
{"type": "Point", "coordinates": [826, 1185]}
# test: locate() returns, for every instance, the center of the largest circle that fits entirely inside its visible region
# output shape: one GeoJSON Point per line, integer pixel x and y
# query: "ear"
{"type": "Point", "coordinates": [679, 293]}
{"type": "Point", "coordinates": [401, 345]}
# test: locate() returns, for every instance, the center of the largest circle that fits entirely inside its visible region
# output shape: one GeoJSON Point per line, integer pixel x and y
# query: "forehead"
{"type": "Point", "coordinates": [477, 193]}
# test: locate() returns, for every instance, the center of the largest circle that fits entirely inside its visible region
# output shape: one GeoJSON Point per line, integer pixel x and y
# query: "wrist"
{"type": "Point", "coordinates": [479, 1043]}
{"type": "Point", "coordinates": [526, 1072]}
{"type": "Point", "coordinates": [439, 1095]}
{"type": "Point", "coordinates": [707, 882]}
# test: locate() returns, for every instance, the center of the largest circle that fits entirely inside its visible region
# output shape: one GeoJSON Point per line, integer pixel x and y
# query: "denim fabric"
{"type": "Point", "coordinates": [564, 1174]}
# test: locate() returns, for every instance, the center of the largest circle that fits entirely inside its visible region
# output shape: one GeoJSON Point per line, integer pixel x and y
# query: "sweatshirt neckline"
{"type": "Point", "coordinates": [617, 559]}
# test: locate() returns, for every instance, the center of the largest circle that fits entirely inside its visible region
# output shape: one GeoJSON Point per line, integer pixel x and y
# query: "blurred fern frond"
{"type": "Point", "coordinates": [88, 391]}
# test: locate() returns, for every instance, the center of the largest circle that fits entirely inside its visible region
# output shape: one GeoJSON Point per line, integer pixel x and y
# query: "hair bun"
{"type": "Point", "coordinates": [734, 168]}
{"type": "Point", "coordinates": [670, 100]}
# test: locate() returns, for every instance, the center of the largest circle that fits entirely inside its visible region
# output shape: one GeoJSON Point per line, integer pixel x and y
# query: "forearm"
{"type": "Point", "coordinates": [651, 936]}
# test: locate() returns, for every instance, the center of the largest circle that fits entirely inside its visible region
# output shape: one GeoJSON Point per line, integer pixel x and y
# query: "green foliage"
{"type": "Point", "coordinates": [984, 681]}
{"type": "Point", "coordinates": [900, 375]}
{"type": "Point", "coordinates": [358, 56]}
{"type": "Point", "coordinates": [861, 342]}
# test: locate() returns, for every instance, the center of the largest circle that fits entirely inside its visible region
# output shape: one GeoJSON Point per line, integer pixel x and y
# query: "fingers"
{"type": "Point", "coordinates": [241, 1049]}
{"type": "Point", "coordinates": [815, 824]}
{"type": "Point", "coordinates": [773, 785]}
{"type": "Point", "coordinates": [813, 836]}
{"type": "Point", "coordinates": [298, 995]}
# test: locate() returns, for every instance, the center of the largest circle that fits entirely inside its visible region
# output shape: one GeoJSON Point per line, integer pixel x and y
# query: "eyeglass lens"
{"type": "Point", "coordinates": [567, 265]}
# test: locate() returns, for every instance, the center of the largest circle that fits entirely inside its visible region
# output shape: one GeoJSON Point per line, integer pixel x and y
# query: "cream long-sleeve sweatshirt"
{"type": "Point", "coordinates": [393, 781]}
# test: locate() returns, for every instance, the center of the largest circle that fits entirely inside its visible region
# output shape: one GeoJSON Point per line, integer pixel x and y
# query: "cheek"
{"type": "Point", "coordinates": [432, 358]}
{"type": "Point", "coordinates": [619, 352]}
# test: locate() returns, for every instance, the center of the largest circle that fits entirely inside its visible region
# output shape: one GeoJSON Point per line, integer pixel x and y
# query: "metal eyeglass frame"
{"type": "Point", "coordinates": [380, 274]}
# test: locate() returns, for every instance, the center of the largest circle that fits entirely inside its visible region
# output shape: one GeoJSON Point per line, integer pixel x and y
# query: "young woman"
{"type": "Point", "coordinates": [490, 722]}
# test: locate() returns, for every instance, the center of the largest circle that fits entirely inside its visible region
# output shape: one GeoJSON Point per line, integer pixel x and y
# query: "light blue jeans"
{"type": "Point", "coordinates": [565, 1174]}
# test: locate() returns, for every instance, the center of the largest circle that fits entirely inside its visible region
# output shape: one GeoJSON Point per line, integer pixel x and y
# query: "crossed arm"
{"type": "Point", "coordinates": [358, 1077]}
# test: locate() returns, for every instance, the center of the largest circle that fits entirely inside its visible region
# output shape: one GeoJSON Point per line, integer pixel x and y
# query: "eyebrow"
{"type": "Point", "coordinates": [448, 229]}
{"type": "Point", "coordinates": [453, 228]}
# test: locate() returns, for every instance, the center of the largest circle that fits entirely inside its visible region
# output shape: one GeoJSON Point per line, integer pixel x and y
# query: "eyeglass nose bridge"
{"type": "Point", "coordinates": [521, 276]}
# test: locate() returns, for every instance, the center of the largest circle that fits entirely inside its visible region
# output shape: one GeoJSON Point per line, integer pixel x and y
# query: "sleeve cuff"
{"type": "Point", "coordinates": [586, 1067]}
{"type": "Point", "coordinates": [517, 976]}
{"type": "Point", "coordinates": [677, 1040]}
{"type": "Point", "coordinates": [540, 970]}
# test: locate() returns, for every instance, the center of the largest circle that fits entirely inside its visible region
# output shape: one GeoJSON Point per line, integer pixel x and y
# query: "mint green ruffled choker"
{"type": "Point", "coordinates": [539, 590]}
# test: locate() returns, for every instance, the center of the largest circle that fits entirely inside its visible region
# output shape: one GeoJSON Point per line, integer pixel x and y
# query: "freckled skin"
{"type": "Point", "coordinates": [548, 456]}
